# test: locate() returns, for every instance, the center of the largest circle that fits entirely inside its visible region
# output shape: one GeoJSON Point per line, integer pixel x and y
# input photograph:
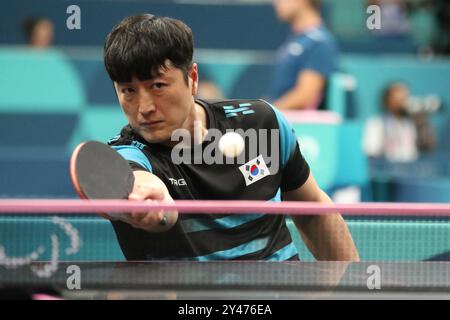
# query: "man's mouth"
{"type": "Point", "coordinates": [149, 124]}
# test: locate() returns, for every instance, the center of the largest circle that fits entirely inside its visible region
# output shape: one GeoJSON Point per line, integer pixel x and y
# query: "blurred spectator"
{"type": "Point", "coordinates": [438, 38]}
{"type": "Point", "coordinates": [394, 17]}
{"type": "Point", "coordinates": [39, 32]}
{"type": "Point", "coordinates": [306, 59]}
{"type": "Point", "coordinates": [207, 89]}
{"type": "Point", "coordinates": [442, 43]}
{"type": "Point", "coordinates": [400, 134]}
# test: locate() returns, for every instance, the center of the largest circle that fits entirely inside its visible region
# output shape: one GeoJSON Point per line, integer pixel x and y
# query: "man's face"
{"type": "Point", "coordinates": [397, 99]}
{"type": "Point", "coordinates": [288, 10]}
{"type": "Point", "coordinates": [42, 36]}
{"type": "Point", "coordinates": [156, 107]}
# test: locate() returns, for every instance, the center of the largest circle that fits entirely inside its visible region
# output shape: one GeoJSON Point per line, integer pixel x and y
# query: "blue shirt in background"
{"type": "Point", "coordinates": [315, 49]}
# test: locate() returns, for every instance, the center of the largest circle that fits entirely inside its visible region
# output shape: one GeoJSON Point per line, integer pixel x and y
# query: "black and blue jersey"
{"type": "Point", "coordinates": [204, 237]}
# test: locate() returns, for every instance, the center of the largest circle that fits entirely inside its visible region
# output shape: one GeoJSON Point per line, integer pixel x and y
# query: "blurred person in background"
{"type": "Point", "coordinates": [439, 42]}
{"type": "Point", "coordinates": [306, 59]}
{"type": "Point", "coordinates": [399, 135]}
{"type": "Point", "coordinates": [442, 43]}
{"type": "Point", "coordinates": [39, 32]}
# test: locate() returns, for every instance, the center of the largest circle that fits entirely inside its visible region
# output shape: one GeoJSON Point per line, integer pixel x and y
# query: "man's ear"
{"type": "Point", "coordinates": [193, 76]}
{"type": "Point", "coordinates": [194, 87]}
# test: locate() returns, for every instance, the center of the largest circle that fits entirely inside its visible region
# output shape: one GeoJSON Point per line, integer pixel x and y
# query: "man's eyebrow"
{"type": "Point", "coordinates": [160, 75]}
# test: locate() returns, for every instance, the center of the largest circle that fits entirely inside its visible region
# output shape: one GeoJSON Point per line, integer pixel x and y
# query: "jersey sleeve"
{"type": "Point", "coordinates": [295, 172]}
{"type": "Point", "coordinates": [322, 59]}
{"type": "Point", "coordinates": [135, 156]}
{"type": "Point", "coordinates": [136, 166]}
{"type": "Point", "coordinates": [295, 169]}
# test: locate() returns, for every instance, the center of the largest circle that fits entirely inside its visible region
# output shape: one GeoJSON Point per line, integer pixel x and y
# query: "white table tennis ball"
{"type": "Point", "coordinates": [231, 144]}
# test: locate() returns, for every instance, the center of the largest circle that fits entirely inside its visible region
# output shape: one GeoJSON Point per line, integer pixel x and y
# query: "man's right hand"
{"type": "Point", "coordinates": [148, 187]}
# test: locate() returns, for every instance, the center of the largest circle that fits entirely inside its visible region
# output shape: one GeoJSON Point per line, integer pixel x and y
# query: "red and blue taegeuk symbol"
{"type": "Point", "coordinates": [254, 170]}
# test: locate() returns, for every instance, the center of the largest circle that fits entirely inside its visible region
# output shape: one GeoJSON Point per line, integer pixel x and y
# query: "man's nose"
{"type": "Point", "coordinates": [146, 103]}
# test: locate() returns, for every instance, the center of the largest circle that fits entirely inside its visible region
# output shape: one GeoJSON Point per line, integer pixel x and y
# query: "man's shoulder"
{"type": "Point", "coordinates": [232, 106]}
{"type": "Point", "coordinates": [320, 34]}
{"type": "Point", "coordinates": [240, 110]}
{"type": "Point", "coordinates": [220, 103]}
{"type": "Point", "coordinates": [317, 37]}
{"type": "Point", "coordinates": [126, 136]}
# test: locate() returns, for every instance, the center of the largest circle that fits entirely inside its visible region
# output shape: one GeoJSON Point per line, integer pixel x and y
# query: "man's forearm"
{"type": "Point", "coordinates": [305, 94]}
{"type": "Point", "coordinates": [292, 100]}
{"type": "Point", "coordinates": [327, 236]}
{"type": "Point", "coordinates": [149, 187]}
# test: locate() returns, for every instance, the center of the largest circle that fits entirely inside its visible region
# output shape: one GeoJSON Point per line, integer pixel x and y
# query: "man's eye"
{"type": "Point", "coordinates": [127, 90]}
{"type": "Point", "coordinates": [158, 85]}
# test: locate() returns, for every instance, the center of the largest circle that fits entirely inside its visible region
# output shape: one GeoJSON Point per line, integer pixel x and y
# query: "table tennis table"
{"type": "Point", "coordinates": [179, 280]}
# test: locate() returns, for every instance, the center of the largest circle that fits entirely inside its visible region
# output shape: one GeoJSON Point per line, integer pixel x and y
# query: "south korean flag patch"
{"type": "Point", "coordinates": [254, 170]}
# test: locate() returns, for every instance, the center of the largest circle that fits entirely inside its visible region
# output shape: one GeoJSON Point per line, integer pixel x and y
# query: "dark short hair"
{"type": "Point", "coordinates": [140, 46]}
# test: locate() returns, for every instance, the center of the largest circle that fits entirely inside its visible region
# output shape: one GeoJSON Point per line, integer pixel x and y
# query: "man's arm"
{"type": "Point", "coordinates": [149, 187]}
{"type": "Point", "coordinates": [326, 236]}
{"type": "Point", "coordinates": [307, 92]}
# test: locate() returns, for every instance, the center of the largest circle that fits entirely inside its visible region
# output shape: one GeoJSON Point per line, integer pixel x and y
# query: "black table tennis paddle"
{"type": "Point", "coordinates": [99, 172]}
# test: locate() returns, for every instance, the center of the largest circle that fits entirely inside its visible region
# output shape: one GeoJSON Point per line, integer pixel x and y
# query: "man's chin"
{"type": "Point", "coordinates": [151, 138]}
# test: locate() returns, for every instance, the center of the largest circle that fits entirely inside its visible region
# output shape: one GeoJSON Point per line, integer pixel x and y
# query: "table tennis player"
{"type": "Point", "coordinates": [150, 62]}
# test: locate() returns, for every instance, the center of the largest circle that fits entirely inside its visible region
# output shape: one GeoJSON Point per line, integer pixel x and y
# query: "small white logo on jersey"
{"type": "Point", "coordinates": [177, 182]}
{"type": "Point", "coordinates": [295, 49]}
{"type": "Point", "coordinates": [254, 170]}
